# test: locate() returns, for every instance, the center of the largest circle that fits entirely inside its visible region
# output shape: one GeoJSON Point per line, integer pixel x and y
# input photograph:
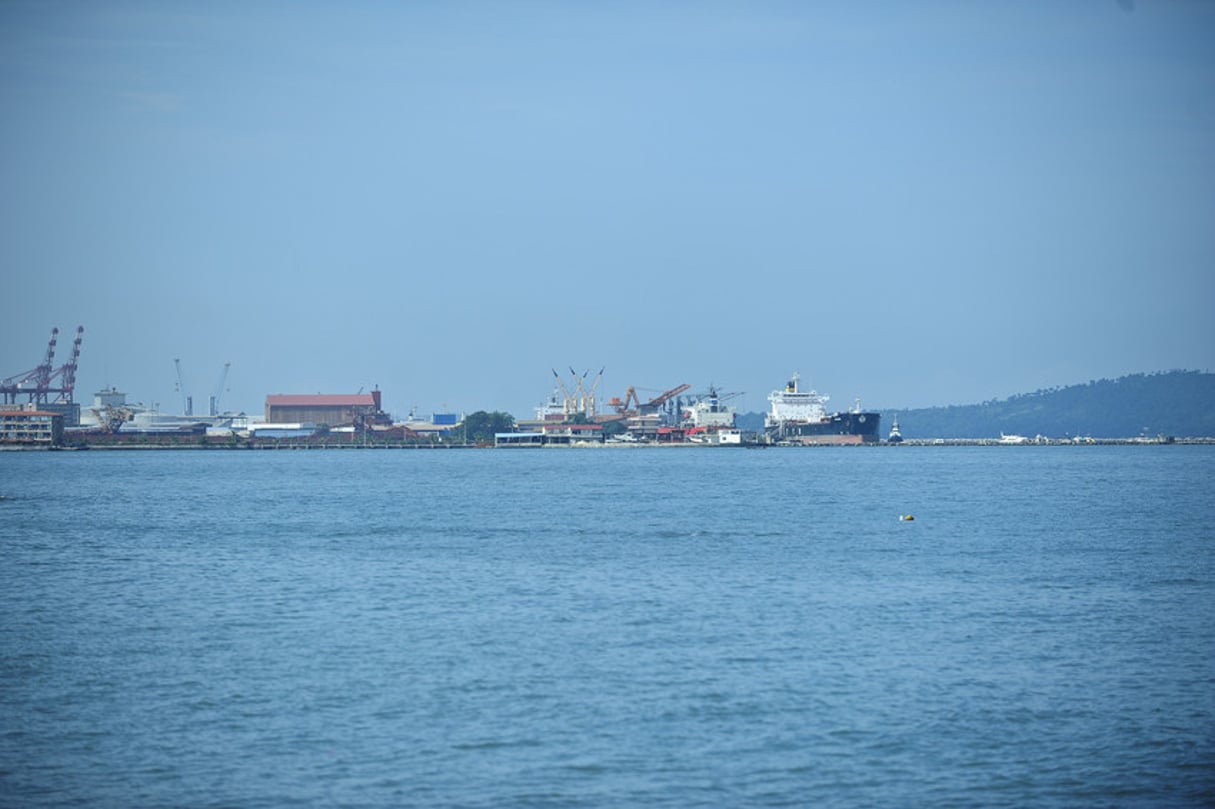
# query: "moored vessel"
{"type": "Point", "coordinates": [801, 417]}
{"type": "Point", "coordinates": [711, 411]}
{"type": "Point", "coordinates": [895, 436]}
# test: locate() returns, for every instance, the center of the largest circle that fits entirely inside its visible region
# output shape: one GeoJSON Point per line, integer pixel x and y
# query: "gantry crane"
{"type": "Point", "coordinates": [36, 383]}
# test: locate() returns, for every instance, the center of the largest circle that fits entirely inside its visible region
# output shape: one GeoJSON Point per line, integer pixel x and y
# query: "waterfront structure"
{"type": "Point", "coordinates": [524, 439]}
{"type": "Point", "coordinates": [335, 410]}
{"type": "Point", "coordinates": [112, 413]}
{"type": "Point", "coordinates": [22, 426]}
{"type": "Point", "coordinates": [290, 430]}
{"type": "Point", "coordinates": [550, 435]}
{"type": "Point", "coordinates": [573, 433]}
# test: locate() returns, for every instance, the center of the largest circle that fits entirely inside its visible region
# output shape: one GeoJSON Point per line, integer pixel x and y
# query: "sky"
{"type": "Point", "coordinates": [916, 204]}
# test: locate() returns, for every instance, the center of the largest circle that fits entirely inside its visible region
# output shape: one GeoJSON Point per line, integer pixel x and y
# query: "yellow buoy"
{"type": "Point", "coordinates": [907, 517]}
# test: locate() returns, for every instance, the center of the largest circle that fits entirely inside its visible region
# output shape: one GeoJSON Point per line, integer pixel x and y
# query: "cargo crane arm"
{"type": "Point", "coordinates": [181, 388]}
{"type": "Point", "coordinates": [45, 370]}
{"type": "Point", "coordinates": [66, 373]}
{"type": "Point", "coordinates": [622, 405]}
{"type": "Point", "coordinates": [568, 401]}
{"type": "Point", "coordinates": [33, 383]}
{"type": "Point", "coordinates": [585, 402]}
{"type": "Point", "coordinates": [663, 398]}
{"type": "Point", "coordinates": [589, 401]}
{"type": "Point", "coordinates": [219, 389]}
{"type": "Point", "coordinates": [598, 378]}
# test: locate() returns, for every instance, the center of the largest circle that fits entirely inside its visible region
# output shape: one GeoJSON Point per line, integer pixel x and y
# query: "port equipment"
{"type": "Point", "coordinates": [582, 399]}
{"type": "Point", "coordinates": [714, 393]}
{"type": "Point", "coordinates": [622, 405]}
{"type": "Point", "coordinates": [568, 402]}
{"type": "Point", "coordinates": [654, 405]}
{"type": "Point", "coordinates": [585, 400]}
{"type": "Point", "coordinates": [36, 384]}
{"type": "Point", "coordinates": [187, 401]}
{"type": "Point", "coordinates": [643, 408]}
{"type": "Point", "coordinates": [219, 391]}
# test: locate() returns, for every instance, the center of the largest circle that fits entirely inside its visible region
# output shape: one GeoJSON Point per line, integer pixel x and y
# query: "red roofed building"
{"type": "Point", "coordinates": [336, 409]}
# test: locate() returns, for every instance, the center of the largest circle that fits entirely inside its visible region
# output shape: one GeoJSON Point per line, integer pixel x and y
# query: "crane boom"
{"type": "Point", "coordinates": [67, 372]}
{"type": "Point", "coordinates": [567, 404]}
{"type": "Point", "coordinates": [44, 371]}
{"type": "Point", "coordinates": [622, 405]}
{"type": "Point", "coordinates": [219, 390]}
{"type": "Point", "coordinates": [662, 398]}
{"type": "Point", "coordinates": [589, 399]}
{"type": "Point", "coordinates": [35, 382]}
{"type": "Point", "coordinates": [187, 402]}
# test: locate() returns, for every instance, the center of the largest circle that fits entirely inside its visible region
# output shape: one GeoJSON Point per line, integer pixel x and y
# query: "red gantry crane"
{"type": "Point", "coordinates": [36, 384]}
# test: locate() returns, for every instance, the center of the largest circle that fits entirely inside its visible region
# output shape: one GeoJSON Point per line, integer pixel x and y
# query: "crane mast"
{"type": "Point", "coordinates": [588, 400]}
{"type": "Point", "coordinates": [584, 399]}
{"type": "Point", "coordinates": [187, 402]}
{"type": "Point", "coordinates": [568, 403]}
{"type": "Point", "coordinates": [42, 378]}
{"type": "Point", "coordinates": [66, 373]}
{"type": "Point", "coordinates": [219, 390]}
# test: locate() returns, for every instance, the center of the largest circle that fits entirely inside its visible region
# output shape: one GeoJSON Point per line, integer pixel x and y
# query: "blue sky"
{"type": "Point", "coordinates": [913, 203]}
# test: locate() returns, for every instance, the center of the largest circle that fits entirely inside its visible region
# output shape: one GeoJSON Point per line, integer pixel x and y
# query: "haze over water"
{"type": "Point", "coordinates": [654, 627]}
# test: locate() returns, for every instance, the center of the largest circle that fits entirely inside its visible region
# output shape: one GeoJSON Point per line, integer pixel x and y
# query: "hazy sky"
{"type": "Point", "coordinates": [914, 203]}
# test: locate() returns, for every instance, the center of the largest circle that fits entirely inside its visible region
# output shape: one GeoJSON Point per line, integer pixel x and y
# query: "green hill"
{"type": "Point", "coordinates": [1176, 403]}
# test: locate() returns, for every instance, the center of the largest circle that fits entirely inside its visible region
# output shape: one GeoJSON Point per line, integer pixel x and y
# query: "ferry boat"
{"type": "Point", "coordinates": [801, 417]}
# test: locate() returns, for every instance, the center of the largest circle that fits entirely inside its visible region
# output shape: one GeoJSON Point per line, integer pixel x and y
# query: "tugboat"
{"type": "Point", "coordinates": [895, 436]}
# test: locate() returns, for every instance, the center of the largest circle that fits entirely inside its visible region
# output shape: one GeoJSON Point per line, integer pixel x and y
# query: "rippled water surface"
{"type": "Point", "coordinates": [661, 627]}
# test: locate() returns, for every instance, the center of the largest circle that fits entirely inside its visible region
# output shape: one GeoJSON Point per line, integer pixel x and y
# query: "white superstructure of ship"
{"type": "Point", "coordinates": [792, 405]}
{"type": "Point", "coordinates": [801, 416]}
{"type": "Point", "coordinates": [710, 411]}
{"type": "Point", "coordinates": [553, 409]}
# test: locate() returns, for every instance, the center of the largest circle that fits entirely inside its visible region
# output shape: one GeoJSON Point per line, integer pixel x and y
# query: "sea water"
{"type": "Point", "coordinates": [585, 628]}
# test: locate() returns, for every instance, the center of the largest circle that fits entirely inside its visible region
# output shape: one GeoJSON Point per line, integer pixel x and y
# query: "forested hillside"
{"type": "Point", "coordinates": [1176, 403]}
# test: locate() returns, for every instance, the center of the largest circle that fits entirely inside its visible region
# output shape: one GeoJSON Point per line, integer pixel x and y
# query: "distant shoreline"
{"type": "Point", "coordinates": [316, 447]}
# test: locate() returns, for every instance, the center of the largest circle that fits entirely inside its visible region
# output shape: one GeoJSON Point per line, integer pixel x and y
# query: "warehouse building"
{"type": "Point", "coordinates": [334, 410]}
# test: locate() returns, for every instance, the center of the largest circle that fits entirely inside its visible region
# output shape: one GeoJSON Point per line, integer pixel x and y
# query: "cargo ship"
{"type": "Point", "coordinates": [709, 411]}
{"type": "Point", "coordinates": [800, 417]}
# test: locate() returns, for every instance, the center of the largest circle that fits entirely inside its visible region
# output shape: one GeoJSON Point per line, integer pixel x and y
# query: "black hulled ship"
{"type": "Point", "coordinates": [801, 417]}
